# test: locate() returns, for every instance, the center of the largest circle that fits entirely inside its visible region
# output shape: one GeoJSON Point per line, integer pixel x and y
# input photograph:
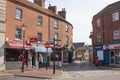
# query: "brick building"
{"type": "Point", "coordinates": [106, 34]}
{"type": "Point", "coordinates": [2, 32]}
{"type": "Point", "coordinates": [41, 23]}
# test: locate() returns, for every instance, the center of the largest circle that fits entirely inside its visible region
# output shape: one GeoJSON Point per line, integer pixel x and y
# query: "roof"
{"type": "Point", "coordinates": [76, 45]}
{"type": "Point", "coordinates": [39, 9]}
{"type": "Point", "coordinates": [109, 8]}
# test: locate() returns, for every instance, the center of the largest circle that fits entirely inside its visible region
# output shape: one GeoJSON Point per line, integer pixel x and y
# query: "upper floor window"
{"type": "Point", "coordinates": [66, 27]}
{"type": "Point", "coordinates": [56, 23]}
{"type": "Point", "coordinates": [115, 16]}
{"type": "Point", "coordinates": [98, 38]}
{"type": "Point", "coordinates": [18, 13]}
{"type": "Point", "coordinates": [40, 20]}
{"type": "Point", "coordinates": [18, 33]}
{"type": "Point", "coordinates": [40, 37]}
{"type": "Point", "coordinates": [67, 40]}
{"type": "Point", "coordinates": [56, 38]}
{"type": "Point", "coordinates": [116, 34]}
{"type": "Point", "coordinates": [98, 22]}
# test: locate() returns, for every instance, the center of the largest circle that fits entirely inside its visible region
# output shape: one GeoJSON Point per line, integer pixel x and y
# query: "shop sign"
{"type": "Point", "coordinates": [98, 47]}
{"type": "Point", "coordinates": [32, 40]}
{"type": "Point", "coordinates": [112, 46]}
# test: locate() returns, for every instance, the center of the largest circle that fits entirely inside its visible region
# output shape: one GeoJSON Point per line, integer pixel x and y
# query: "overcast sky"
{"type": "Point", "coordinates": [80, 14]}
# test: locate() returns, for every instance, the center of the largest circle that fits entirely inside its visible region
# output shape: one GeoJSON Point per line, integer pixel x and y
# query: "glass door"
{"type": "Point", "coordinates": [112, 57]}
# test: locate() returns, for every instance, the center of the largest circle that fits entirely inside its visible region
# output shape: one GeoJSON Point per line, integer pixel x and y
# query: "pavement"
{"type": "Point", "coordinates": [48, 74]}
{"type": "Point", "coordinates": [33, 73]}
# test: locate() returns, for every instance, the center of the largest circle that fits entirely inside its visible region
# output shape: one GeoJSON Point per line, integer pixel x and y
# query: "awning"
{"type": "Point", "coordinates": [18, 45]}
{"type": "Point", "coordinates": [41, 48]}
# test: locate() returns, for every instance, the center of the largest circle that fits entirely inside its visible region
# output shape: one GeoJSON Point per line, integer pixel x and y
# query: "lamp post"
{"type": "Point", "coordinates": [47, 45]}
{"type": "Point", "coordinates": [23, 30]}
{"type": "Point", "coordinates": [54, 54]}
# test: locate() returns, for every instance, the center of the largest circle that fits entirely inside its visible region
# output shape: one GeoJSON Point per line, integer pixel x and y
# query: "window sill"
{"type": "Point", "coordinates": [18, 19]}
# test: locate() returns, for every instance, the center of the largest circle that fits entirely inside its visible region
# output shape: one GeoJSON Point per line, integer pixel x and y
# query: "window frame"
{"type": "Point", "coordinates": [39, 35]}
{"type": "Point", "coordinates": [40, 21]}
{"type": "Point", "coordinates": [18, 34]}
{"type": "Point", "coordinates": [115, 16]}
{"type": "Point", "coordinates": [98, 37]}
{"type": "Point", "coordinates": [116, 35]}
{"type": "Point", "coordinates": [98, 22]}
{"type": "Point", "coordinates": [67, 40]}
{"type": "Point", "coordinates": [56, 37]}
{"type": "Point", "coordinates": [19, 14]}
{"type": "Point", "coordinates": [56, 23]}
{"type": "Point", "coordinates": [67, 27]}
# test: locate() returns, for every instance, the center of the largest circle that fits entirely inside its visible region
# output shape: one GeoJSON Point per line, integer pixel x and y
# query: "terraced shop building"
{"type": "Point", "coordinates": [2, 32]}
{"type": "Point", "coordinates": [42, 24]}
{"type": "Point", "coordinates": [106, 34]}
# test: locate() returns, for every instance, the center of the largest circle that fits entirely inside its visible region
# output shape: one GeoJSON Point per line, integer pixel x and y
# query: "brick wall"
{"type": "Point", "coordinates": [30, 18]}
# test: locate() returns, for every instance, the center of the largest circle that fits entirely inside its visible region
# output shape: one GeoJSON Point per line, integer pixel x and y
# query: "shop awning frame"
{"type": "Point", "coordinates": [18, 45]}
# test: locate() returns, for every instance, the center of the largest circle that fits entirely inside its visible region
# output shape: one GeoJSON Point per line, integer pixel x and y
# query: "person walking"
{"type": "Point", "coordinates": [40, 61]}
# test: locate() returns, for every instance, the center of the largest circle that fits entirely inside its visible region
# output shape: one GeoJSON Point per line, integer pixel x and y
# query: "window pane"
{"type": "Point", "coordinates": [18, 33]}
{"type": "Point", "coordinates": [18, 13]}
{"type": "Point", "coordinates": [115, 16]}
{"type": "Point", "coordinates": [56, 38]}
{"type": "Point", "coordinates": [40, 37]}
{"type": "Point", "coordinates": [56, 23]}
{"type": "Point", "coordinates": [39, 20]}
{"type": "Point", "coordinates": [98, 22]}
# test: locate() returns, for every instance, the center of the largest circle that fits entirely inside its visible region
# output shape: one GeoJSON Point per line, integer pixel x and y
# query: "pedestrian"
{"type": "Point", "coordinates": [40, 61]}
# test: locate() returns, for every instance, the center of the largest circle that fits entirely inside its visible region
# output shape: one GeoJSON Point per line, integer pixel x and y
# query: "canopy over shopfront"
{"type": "Point", "coordinates": [17, 45]}
{"type": "Point", "coordinates": [42, 49]}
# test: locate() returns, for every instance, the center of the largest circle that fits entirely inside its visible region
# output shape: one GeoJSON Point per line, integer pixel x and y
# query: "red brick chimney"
{"type": "Point", "coordinates": [62, 13]}
{"type": "Point", "coordinates": [52, 8]}
{"type": "Point", "coordinates": [41, 3]}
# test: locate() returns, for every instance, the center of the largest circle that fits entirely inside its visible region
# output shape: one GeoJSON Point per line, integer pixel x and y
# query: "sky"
{"type": "Point", "coordinates": [80, 14]}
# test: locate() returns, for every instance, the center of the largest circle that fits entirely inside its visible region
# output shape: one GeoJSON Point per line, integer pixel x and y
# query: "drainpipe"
{"type": "Point", "coordinates": [48, 28]}
{"type": "Point", "coordinates": [103, 29]}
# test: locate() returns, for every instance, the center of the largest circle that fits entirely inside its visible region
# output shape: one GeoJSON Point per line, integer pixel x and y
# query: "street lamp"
{"type": "Point", "coordinates": [23, 30]}
{"type": "Point", "coordinates": [47, 45]}
{"type": "Point", "coordinates": [54, 54]}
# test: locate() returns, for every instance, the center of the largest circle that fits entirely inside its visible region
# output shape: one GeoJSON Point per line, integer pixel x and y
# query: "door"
{"type": "Point", "coordinates": [112, 57]}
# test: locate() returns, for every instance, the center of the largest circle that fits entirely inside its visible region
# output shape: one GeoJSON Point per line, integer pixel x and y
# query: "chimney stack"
{"type": "Point", "coordinates": [52, 8]}
{"type": "Point", "coordinates": [62, 13]}
{"type": "Point", "coordinates": [41, 3]}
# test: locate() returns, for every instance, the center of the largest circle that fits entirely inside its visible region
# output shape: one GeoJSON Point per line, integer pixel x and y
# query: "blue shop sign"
{"type": "Point", "coordinates": [98, 47]}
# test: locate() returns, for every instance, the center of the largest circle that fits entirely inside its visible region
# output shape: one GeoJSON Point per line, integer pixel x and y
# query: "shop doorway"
{"type": "Point", "coordinates": [112, 57]}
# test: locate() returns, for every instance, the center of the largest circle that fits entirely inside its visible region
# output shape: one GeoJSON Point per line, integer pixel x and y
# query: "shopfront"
{"type": "Point", "coordinates": [44, 52]}
{"type": "Point", "coordinates": [114, 54]}
{"type": "Point", "coordinates": [14, 53]}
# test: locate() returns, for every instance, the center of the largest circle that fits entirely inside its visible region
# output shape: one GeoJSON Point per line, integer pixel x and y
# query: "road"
{"type": "Point", "coordinates": [78, 71]}
{"type": "Point", "coordinates": [86, 71]}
